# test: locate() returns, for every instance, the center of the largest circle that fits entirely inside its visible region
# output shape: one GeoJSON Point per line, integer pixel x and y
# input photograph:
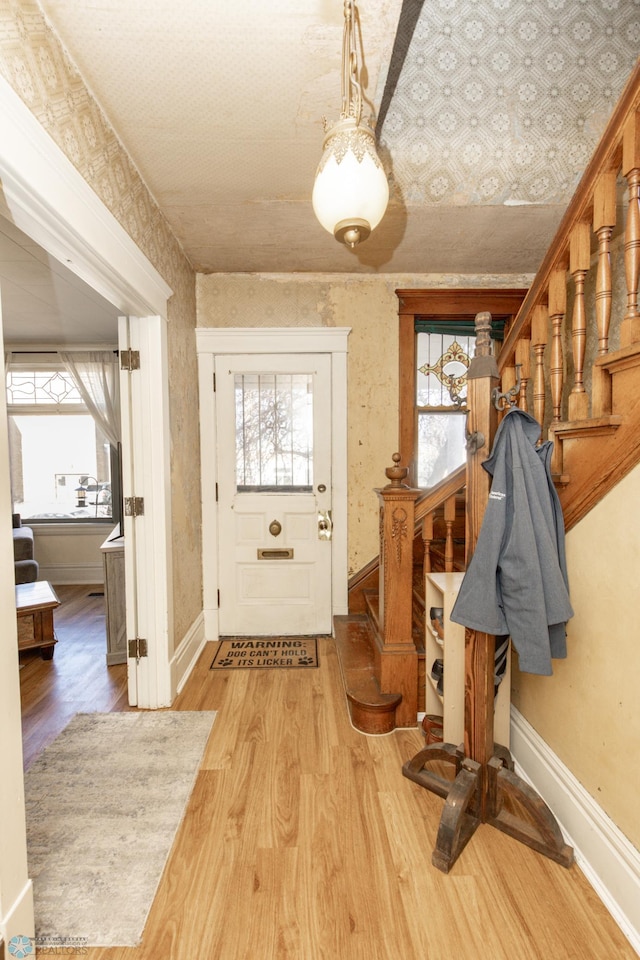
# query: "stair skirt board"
{"type": "Point", "coordinates": [610, 862]}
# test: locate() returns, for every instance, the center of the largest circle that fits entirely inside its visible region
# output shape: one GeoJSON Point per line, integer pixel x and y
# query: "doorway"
{"type": "Point", "coordinates": [273, 417]}
{"type": "Point", "coordinates": [274, 494]}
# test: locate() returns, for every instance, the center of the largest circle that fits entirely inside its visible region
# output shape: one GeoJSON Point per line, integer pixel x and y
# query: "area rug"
{"type": "Point", "coordinates": [242, 653]}
{"type": "Point", "coordinates": [104, 802]}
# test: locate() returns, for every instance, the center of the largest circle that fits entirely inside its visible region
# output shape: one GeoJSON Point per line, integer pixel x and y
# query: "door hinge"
{"type": "Point", "coordinates": [134, 506]}
{"type": "Point", "coordinates": [130, 360]}
{"type": "Point", "coordinates": [138, 648]}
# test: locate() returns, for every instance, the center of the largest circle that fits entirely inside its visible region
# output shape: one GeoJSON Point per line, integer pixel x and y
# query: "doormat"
{"type": "Point", "coordinates": [241, 653]}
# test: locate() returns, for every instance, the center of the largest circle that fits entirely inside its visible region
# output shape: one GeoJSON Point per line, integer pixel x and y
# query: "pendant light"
{"type": "Point", "coordinates": [350, 193]}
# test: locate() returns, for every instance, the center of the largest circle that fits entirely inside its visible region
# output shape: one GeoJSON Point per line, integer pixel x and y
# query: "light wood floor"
{"type": "Point", "coordinates": [303, 840]}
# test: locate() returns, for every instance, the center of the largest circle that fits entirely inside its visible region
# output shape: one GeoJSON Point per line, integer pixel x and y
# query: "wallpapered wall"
{"type": "Point", "coordinates": [369, 306]}
{"type": "Point", "coordinates": [33, 61]}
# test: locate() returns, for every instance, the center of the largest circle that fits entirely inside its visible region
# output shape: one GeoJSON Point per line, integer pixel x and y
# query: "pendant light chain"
{"type": "Point", "coordinates": [351, 89]}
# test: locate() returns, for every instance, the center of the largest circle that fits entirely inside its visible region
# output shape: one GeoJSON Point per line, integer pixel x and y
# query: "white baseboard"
{"type": "Point", "coordinates": [185, 657]}
{"type": "Point", "coordinates": [72, 572]}
{"type": "Point", "coordinates": [18, 921]}
{"type": "Point", "coordinates": [610, 862]}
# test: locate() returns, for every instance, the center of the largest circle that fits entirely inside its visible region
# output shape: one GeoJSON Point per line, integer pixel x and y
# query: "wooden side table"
{"type": "Point", "coordinates": [35, 603]}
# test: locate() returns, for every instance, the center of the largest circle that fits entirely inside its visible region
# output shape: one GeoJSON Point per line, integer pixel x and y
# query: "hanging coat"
{"type": "Point", "coordinates": [516, 582]}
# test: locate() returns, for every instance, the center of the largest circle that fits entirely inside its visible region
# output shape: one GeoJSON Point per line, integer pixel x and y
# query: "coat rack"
{"type": "Point", "coordinates": [485, 788]}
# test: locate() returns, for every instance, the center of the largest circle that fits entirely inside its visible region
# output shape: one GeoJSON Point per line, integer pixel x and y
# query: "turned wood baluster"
{"type": "Point", "coordinates": [449, 518]}
{"type": "Point", "coordinates": [427, 539]}
{"type": "Point", "coordinates": [557, 310]}
{"type": "Point", "coordinates": [523, 361]}
{"type": "Point", "coordinates": [579, 262]}
{"type": "Point", "coordinates": [539, 336]}
{"type": "Point", "coordinates": [630, 327]}
{"type": "Point", "coordinates": [604, 220]}
{"type": "Point", "coordinates": [508, 381]}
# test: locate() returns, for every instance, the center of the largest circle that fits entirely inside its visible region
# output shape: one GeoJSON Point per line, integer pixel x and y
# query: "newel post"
{"type": "Point", "coordinates": [398, 659]}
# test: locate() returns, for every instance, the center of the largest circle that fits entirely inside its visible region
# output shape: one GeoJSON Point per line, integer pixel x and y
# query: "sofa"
{"type": "Point", "coordinates": [26, 568]}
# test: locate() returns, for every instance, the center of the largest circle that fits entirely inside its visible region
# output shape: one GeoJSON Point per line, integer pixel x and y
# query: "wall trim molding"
{"type": "Point", "coordinates": [49, 200]}
{"type": "Point", "coordinates": [186, 655]}
{"type": "Point", "coordinates": [72, 573]}
{"type": "Point", "coordinates": [221, 340]}
{"type": "Point", "coordinates": [608, 859]}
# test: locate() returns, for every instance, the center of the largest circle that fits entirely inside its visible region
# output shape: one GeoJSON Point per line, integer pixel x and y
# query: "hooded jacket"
{"type": "Point", "coordinates": [516, 582]}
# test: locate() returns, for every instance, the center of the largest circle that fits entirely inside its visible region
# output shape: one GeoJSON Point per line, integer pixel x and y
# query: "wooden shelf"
{"type": "Point", "coordinates": [441, 590]}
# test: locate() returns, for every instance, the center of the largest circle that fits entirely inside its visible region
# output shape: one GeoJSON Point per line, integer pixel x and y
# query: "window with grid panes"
{"type": "Point", "coordinates": [61, 463]}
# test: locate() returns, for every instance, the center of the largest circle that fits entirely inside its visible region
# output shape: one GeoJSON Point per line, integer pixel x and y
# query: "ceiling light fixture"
{"type": "Point", "coordinates": [350, 193]}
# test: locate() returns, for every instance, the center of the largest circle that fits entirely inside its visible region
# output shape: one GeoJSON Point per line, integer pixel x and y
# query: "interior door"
{"type": "Point", "coordinates": [145, 472]}
{"type": "Point", "coordinates": [274, 494]}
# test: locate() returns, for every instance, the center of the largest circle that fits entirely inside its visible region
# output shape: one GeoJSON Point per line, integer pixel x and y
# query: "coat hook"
{"type": "Point", "coordinates": [503, 401]}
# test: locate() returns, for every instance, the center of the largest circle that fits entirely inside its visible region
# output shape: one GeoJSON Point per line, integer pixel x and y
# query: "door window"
{"type": "Point", "coordinates": [274, 432]}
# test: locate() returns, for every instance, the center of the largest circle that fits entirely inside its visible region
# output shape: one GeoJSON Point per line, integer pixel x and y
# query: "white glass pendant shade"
{"type": "Point", "coordinates": [350, 193]}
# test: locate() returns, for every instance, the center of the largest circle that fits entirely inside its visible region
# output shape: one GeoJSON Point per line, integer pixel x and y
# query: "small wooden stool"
{"type": "Point", "coordinates": [35, 603]}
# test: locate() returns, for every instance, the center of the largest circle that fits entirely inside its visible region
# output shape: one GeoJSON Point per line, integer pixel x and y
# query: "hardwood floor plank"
{"type": "Point", "coordinates": [303, 841]}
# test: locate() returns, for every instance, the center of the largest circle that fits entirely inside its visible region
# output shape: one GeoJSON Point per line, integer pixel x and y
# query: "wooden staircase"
{"type": "Point", "coordinates": [585, 395]}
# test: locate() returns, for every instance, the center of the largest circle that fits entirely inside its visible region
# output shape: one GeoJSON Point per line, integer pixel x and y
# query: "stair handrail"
{"type": "Point", "coordinates": [435, 497]}
{"type": "Point", "coordinates": [607, 156]}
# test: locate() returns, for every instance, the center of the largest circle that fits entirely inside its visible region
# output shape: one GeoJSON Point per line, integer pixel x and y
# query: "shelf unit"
{"type": "Point", "coordinates": [114, 596]}
{"type": "Point", "coordinates": [441, 590]}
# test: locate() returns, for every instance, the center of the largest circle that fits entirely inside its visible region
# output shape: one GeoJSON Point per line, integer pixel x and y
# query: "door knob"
{"type": "Point", "coordinates": [325, 525]}
{"type": "Point", "coordinates": [275, 528]}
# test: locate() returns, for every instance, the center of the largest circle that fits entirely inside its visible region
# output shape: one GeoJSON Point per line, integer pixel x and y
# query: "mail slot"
{"type": "Point", "coordinates": [284, 553]}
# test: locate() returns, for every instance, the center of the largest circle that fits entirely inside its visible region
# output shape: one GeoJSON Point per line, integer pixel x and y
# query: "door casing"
{"type": "Point", "coordinates": [211, 342]}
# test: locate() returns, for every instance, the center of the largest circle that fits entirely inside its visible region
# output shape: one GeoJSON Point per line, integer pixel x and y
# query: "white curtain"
{"type": "Point", "coordinates": [95, 374]}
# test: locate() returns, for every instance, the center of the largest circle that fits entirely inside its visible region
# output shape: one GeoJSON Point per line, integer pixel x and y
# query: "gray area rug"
{"type": "Point", "coordinates": [104, 802]}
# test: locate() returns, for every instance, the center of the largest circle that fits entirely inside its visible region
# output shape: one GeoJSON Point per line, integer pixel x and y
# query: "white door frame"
{"type": "Point", "coordinates": [43, 194]}
{"type": "Point", "coordinates": [212, 342]}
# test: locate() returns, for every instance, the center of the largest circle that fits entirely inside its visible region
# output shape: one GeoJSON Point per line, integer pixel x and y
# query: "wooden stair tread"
{"type": "Point", "coordinates": [371, 711]}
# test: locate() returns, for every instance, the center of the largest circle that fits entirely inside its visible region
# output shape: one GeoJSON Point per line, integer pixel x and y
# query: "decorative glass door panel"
{"type": "Point", "coordinates": [274, 432]}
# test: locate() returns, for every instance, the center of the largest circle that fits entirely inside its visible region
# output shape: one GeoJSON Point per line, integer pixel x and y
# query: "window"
{"type": "Point", "coordinates": [62, 466]}
{"type": "Point", "coordinates": [274, 432]}
{"type": "Point", "coordinates": [441, 379]}
{"type": "Point", "coordinates": [436, 334]}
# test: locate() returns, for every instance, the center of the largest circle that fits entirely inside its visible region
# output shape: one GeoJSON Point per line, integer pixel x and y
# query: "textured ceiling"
{"type": "Point", "coordinates": [486, 129]}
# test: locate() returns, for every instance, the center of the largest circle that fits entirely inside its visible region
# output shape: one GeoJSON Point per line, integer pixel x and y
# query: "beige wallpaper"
{"type": "Point", "coordinates": [37, 67]}
{"type": "Point", "coordinates": [588, 710]}
{"type": "Point", "coordinates": [369, 306]}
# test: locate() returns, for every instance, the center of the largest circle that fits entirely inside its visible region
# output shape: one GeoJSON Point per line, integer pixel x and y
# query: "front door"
{"type": "Point", "coordinates": [274, 494]}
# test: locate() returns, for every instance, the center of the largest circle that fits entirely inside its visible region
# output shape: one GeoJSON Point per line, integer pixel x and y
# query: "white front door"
{"type": "Point", "coordinates": [274, 494]}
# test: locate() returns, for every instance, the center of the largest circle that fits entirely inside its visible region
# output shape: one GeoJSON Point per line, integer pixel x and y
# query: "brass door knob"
{"type": "Point", "coordinates": [275, 528]}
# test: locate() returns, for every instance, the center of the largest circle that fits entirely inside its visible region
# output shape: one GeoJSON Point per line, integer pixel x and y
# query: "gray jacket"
{"type": "Point", "coordinates": [517, 582]}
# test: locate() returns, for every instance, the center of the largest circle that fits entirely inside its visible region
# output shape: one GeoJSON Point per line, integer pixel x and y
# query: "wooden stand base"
{"type": "Point", "coordinates": [511, 806]}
